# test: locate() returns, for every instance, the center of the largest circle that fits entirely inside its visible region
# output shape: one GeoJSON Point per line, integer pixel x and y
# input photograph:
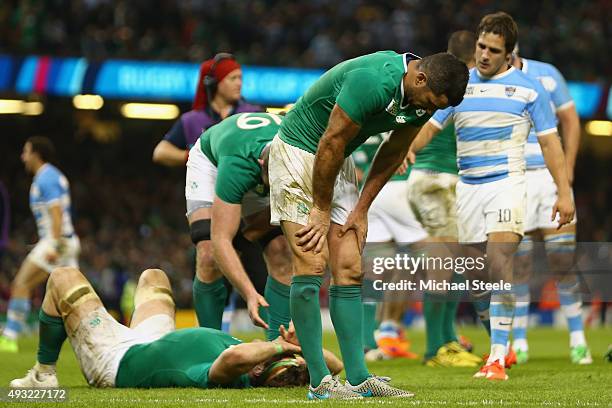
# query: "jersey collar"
{"type": "Point", "coordinates": [498, 76]}
{"type": "Point", "coordinates": [525, 65]}
{"type": "Point", "coordinates": [406, 58]}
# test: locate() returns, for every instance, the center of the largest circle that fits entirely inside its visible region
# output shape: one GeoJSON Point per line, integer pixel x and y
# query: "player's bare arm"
{"type": "Point", "coordinates": [328, 161]}
{"type": "Point", "coordinates": [225, 222]}
{"type": "Point", "coordinates": [555, 161]}
{"type": "Point", "coordinates": [55, 211]}
{"type": "Point", "coordinates": [167, 154]}
{"type": "Point", "coordinates": [388, 158]}
{"type": "Point", "coordinates": [422, 139]}
{"type": "Point", "coordinates": [570, 134]}
{"type": "Point", "coordinates": [240, 359]}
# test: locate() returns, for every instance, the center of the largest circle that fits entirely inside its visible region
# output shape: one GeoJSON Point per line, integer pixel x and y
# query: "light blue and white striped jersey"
{"type": "Point", "coordinates": [554, 83]}
{"type": "Point", "coordinates": [50, 187]}
{"type": "Point", "coordinates": [492, 123]}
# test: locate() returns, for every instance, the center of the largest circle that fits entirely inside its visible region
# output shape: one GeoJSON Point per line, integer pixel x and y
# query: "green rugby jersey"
{"type": "Point", "coordinates": [364, 155]}
{"type": "Point", "coordinates": [234, 146]}
{"type": "Point", "coordinates": [368, 88]}
{"type": "Point", "coordinates": [440, 154]}
{"type": "Point", "coordinates": [181, 358]}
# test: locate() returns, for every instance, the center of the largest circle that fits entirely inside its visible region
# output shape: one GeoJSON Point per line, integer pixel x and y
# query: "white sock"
{"type": "Point", "coordinates": [498, 353]}
{"type": "Point", "coordinates": [45, 368]}
{"type": "Point", "coordinates": [520, 344]}
{"type": "Point", "coordinates": [577, 338]}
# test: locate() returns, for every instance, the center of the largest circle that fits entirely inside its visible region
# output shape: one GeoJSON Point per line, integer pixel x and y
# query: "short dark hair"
{"type": "Point", "coordinates": [462, 45]}
{"type": "Point", "coordinates": [502, 24]}
{"type": "Point", "coordinates": [446, 75]}
{"type": "Point", "coordinates": [43, 147]}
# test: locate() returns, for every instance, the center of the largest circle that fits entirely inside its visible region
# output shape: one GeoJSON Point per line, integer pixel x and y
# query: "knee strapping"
{"type": "Point", "coordinates": [75, 297]}
{"type": "Point", "coordinates": [153, 293]}
{"type": "Point", "coordinates": [200, 231]}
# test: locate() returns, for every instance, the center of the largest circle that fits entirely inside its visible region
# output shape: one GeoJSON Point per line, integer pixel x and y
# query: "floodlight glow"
{"type": "Point", "coordinates": [90, 102]}
{"type": "Point", "coordinates": [150, 111]}
{"type": "Point", "coordinates": [599, 127]}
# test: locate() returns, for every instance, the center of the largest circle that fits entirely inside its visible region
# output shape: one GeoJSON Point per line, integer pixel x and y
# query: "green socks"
{"type": "Point", "coordinates": [277, 296]}
{"type": "Point", "coordinates": [346, 313]}
{"type": "Point", "coordinates": [369, 326]}
{"type": "Point", "coordinates": [51, 336]}
{"type": "Point", "coordinates": [209, 301]}
{"type": "Point", "coordinates": [306, 315]}
{"type": "Point", "coordinates": [448, 325]}
{"type": "Point", "coordinates": [433, 311]}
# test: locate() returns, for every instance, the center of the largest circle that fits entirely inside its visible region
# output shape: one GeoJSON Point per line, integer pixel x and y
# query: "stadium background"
{"type": "Point", "coordinates": [129, 213]}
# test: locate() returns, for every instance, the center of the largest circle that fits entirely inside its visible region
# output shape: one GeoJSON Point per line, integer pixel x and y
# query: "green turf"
{"type": "Point", "coordinates": [548, 380]}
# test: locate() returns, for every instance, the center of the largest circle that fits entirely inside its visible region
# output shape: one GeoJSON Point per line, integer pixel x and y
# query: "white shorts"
{"type": "Point", "coordinates": [200, 181]}
{"type": "Point", "coordinates": [100, 342]}
{"type": "Point", "coordinates": [69, 256]}
{"type": "Point", "coordinates": [541, 198]}
{"type": "Point", "coordinates": [433, 197]}
{"type": "Point", "coordinates": [390, 217]}
{"type": "Point", "coordinates": [291, 197]}
{"type": "Point", "coordinates": [498, 206]}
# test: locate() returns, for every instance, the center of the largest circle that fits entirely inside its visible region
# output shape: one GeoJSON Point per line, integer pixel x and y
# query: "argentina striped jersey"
{"type": "Point", "coordinates": [554, 83]}
{"type": "Point", "coordinates": [492, 123]}
{"type": "Point", "coordinates": [50, 187]}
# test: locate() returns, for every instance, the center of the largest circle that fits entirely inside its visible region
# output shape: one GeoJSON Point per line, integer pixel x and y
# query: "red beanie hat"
{"type": "Point", "coordinates": [223, 68]}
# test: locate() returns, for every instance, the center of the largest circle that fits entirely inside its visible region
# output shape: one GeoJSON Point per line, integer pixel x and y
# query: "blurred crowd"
{"type": "Point", "coordinates": [317, 33]}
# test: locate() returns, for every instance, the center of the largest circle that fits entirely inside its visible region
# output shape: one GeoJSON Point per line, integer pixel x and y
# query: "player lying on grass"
{"type": "Point", "coordinates": [151, 353]}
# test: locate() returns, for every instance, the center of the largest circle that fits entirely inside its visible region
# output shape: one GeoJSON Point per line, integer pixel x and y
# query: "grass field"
{"type": "Point", "coordinates": [548, 380]}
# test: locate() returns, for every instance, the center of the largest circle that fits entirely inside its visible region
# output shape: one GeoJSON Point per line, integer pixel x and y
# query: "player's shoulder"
{"type": "Point", "coordinates": [375, 63]}
{"type": "Point", "coordinates": [51, 175]}
{"type": "Point", "coordinates": [537, 68]}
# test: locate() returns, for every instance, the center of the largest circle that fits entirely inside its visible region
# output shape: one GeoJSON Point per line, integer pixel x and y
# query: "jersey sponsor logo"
{"type": "Point", "coordinates": [483, 90]}
{"type": "Point", "coordinates": [510, 90]}
{"type": "Point", "coordinates": [400, 119]}
{"type": "Point", "coordinates": [303, 208]}
{"type": "Point", "coordinates": [393, 107]}
{"type": "Point", "coordinates": [95, 322]}
{"type": "Point", "coordinates": [420, 112]}
{"type": "Point", "coordinates": [469, 90]}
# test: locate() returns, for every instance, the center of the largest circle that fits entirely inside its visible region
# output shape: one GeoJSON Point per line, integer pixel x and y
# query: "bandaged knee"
{"type": "Point", "coordinates": [76, 297]}
{"type": "Point", "coordinates": [149, 293]}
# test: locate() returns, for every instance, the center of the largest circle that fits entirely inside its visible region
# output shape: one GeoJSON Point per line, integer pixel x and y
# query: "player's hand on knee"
{"type": "Point", "coordinates": [358, 222]}
{"type": "Point", "coordinates": [314, 235]}
{"type": "Point", "coordinates": [565, 208]}
{"type": "Point", "coordinates": [253, 304]}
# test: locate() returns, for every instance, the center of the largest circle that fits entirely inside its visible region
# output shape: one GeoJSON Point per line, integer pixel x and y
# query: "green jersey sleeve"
{"type": "Point", "coordinates": [361, 95]}
{"type": "Point", "coordinates": [235, 176]}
